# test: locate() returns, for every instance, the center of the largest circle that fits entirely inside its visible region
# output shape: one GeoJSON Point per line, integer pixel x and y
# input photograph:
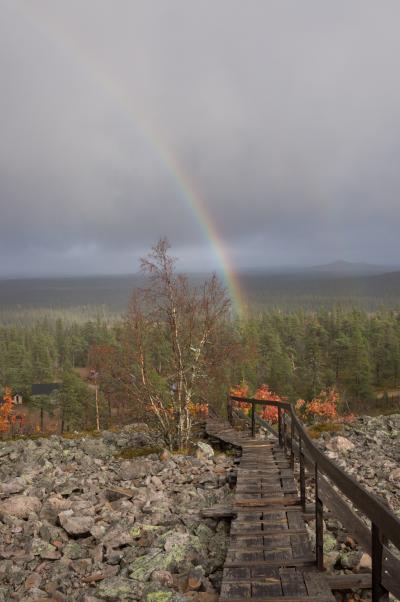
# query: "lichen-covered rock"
{"type": "Point", "coordinates": [119, 588]}
{"type": "Point", "coordinates": [104, 528]}
{"type": "Point", "coordinates": [177, 557]}
{"type": "Point", "coordinates": [156, 593]}
{"type": "Point", "coordinates": [369, 450]}
{"type": "Point", "coordinates": [204, 450]}
{"type": "Point", "coordinates": [330, 542]}
{"type": "Point", "coordinates": [349, 560]}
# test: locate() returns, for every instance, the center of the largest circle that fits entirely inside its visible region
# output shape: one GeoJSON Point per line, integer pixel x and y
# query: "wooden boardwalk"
{"type": "Point", "coordinates": [269, 556]}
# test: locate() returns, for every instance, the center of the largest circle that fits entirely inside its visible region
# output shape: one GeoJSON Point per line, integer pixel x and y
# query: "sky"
{"type": "Point", "coordinates": [275, 124]}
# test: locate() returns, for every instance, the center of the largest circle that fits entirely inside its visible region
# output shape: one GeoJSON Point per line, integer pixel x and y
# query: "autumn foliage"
{"type": "Point", "coordinates": [198, 410]}
{"type": "Point", "coordinates": [6, 416]}
{"type": "Point", "coordinates": [322, 408]}
{"type": "Point", "coordinates": [269, 413]}
{"type": "Point", "coordinates": [241, 390]}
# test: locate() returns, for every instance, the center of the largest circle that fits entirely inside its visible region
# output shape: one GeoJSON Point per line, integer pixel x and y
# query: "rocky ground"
{"type": "Point", "coordinates": [78, 522]}
{"type": "Point", "coordinates": [368, 449]}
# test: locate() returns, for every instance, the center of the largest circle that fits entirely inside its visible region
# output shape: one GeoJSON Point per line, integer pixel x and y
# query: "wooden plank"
{"type": "Point", "coordinates": [234, 591]}
{"type": "Point", "coordinates": [300, 545]}
{"type": "Point", "coordinates": [278, 533]}
{"type": "Point", "coordinates": [278, 599]}
{"type": "Point", "coordinates": [260, 548]}
{"type": "Point", "coordinates": [218, 512]}
{"type": "Point", "coordinates": [263, 493]}
{"type": "Point", "coordinates": [266, 588]}
{"type": "Point", "coordinates": [268, 536]}
{"type": "Point", "coordinates": [317, 585]}
{"type": "Point", "coordinates": [307, 561]}
{"type": "Point", "coordinates": [289, 500]}
{"type": "Point", "coordinates": [360, 581]}
{"type": "Point", "coordinates": [292, 582]}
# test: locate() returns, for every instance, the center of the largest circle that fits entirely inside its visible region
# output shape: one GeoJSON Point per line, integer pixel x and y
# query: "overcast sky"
{"type": "Point", "coordinates": [284, 115]}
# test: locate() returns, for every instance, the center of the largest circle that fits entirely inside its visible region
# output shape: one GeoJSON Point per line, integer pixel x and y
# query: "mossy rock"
{"type": "Point", "coordinates": [329, 543]}
{"type": "Point", "coordinates": [316, 430]}
{"type": "Point", "coordinates": [136, 452]}
{"type": "Point", "coordinates": [157, 593]}
{"type": "Point", "coordinates": [72, 550]}
{"type": "Point", "coordinates": [204, 533]}
{"type": "Point", "coordinates": [118, 588]}
{"type": "Point", "coordinates": [139, 529]}
{"type": "Point", "coordinates": [177, 558]}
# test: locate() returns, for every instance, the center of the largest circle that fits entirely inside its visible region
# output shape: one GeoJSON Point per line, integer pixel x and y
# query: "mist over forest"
{"type": "Point", "coordinates": [347, 284]}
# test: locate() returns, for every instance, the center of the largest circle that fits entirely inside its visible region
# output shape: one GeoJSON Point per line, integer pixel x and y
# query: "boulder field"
{"type": "Point", "coordinates": [78, 522]}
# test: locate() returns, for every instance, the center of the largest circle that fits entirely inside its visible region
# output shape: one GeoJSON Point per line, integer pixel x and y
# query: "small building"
{"type": "Point", "coordinates": [17, 399]}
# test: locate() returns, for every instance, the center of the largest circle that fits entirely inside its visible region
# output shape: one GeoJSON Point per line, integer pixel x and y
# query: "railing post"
{"type": "Point", "coordinates": [284, 434]}
{"type": "Point", "coordinates": [379, 593]}
{"type": "Point", "coordinates": [280, 426]}
{"type": "Point", "coordinates": [319, 525]}
{"type": "Point", "coordinates": [302, 475]}
{"type": "Point", "coordinates": [291, 443]}
{"type": "Point", "coordinates": [229, 409]}
{"type": "Point", "coordinates": [253, 420]}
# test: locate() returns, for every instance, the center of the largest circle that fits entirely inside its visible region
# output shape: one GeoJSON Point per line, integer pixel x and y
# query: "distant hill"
{"type": "Point", "coordinates": [308, 288]}
{"type": "Point", "coordinates": [343, 268]}
{"type": "Point", "coordinates": [311, 289]}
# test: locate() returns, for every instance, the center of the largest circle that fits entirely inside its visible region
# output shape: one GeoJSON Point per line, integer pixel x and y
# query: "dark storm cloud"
{"type": "Point", "coordinates": [285, 116]}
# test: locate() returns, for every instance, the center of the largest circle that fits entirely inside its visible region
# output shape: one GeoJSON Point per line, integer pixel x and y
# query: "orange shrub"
{"type": "Point", "coordinates": [321, 408]}
{"type": "Point", "coordinates": [269, 413]}
{"type": "Point", "coordinates": [6, 417]}
{"type": "Point", "coordinates": [241, 390]}
{"type": "Point", "coordinates": [198, 409]}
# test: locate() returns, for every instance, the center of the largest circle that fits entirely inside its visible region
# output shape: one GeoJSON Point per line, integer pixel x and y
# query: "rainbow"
{"type": "Point", "coordinates": [188, 192]}
{"type": "Point", "coordinates": [195, 203]}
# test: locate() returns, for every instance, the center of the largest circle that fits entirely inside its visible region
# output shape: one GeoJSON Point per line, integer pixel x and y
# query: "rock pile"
{"type": "Point", "coordinates": [79, 523]}
{"type": "Point", "coordinates": [368, 449]}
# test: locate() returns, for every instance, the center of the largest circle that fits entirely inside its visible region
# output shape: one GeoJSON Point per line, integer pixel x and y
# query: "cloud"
{"type": "Point", "coordinates": [284, 117]}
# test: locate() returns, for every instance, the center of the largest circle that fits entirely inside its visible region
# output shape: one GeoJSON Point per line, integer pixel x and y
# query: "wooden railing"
{"type": "Point", "coordinates": [385, 525]}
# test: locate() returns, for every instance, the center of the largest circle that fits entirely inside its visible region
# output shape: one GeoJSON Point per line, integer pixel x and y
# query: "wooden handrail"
{"type": "Point", "coordinates": [385, 524]}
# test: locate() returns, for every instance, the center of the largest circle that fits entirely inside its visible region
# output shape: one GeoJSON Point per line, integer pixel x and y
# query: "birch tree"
{"type": "Point", "coordinates": [174, 331]}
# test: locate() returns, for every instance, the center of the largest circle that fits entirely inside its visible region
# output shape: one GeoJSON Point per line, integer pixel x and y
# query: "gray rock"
{"type": "Point", "coordinates": [162, 577]}
{"type": "Point", "coordinates": [340, 444]}
{"type": "Point", "coordinates": [134, 469]}
{"type": "Point", "coordinates": [16, 485]}
{"type": "Point", "coordinates": [21, 506]}
{"type": "Point", "coordinates": [205, 450]}
{"type": "Point", "coordinates": [75, 525]}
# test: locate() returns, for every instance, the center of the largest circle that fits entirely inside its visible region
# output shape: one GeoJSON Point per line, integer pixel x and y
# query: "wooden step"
{"type": "Point", "coordinates": [302, 561]}
{"type": "Point", "coordinates": [231, 598]}
{"type": "Point", "coordinates": [267, 501]}
{"type": "Point", "coordinates": [271, 534]}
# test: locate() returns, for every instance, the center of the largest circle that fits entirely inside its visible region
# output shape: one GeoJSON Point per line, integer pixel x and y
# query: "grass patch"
{"type": "Point", "coordinates": [137, 452]}
{"type": "Point", "coordinates": [32, 437]}
{"type": "Point", "coordinates": [81, 434]}
{"type": "Point", "coordinates": [328, 427]}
